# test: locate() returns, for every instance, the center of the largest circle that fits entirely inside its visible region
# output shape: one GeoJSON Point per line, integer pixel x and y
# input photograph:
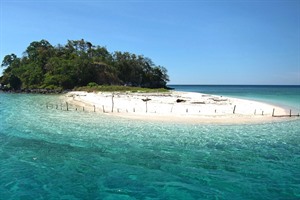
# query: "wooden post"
{"type": "Point", "coordinates": [255, 112]}
{"type": "Point", "coordinates": [290, 113]}
{"type": "Point", "coordinates": [103, 109]}
{"type": "Point", "coordinates": [262, 112]}
{"type": "Point", "coordinates": [146, 103]}
{"type": "Point", "coordinates": [146, 106]}
{"type": "Point", "coordinates": [133, 109]}
{"type": "Point", "coordinates": [187, 110]}
{"type": "Point", "coordinates": [67, 106]}
{"type": "Point", "coordinates": [83, 108]}
{"type": "Point", "coordinates": [234, 109]}
{"type": "Point", "coordinates": [94, 108]}
{"type": "Point", "coordinates": [112, 102]}
{"type": "Point", "coordinates": [273, 112]}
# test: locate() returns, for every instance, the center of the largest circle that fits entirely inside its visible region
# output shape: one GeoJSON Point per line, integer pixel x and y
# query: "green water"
{"type": "Point", "coordinates": [55, 154]}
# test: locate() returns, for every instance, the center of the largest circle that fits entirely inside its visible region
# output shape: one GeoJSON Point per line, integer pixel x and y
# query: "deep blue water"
{"type": "Point", "coordinates": [55, 154]}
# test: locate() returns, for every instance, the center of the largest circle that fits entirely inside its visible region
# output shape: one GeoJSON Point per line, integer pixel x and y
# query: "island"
{"type": "Point", "coordinates": [121, 84]}
{"type": "Point", "coordinates": [75, 64]}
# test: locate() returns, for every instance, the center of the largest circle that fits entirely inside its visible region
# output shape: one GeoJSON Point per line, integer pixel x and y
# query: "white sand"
{"type": "Point", "coordinates": [195, 107]}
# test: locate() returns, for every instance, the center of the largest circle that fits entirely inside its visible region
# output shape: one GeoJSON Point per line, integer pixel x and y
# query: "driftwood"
{"type": "Point", "coordinates": [198, 102]}
{"type": "Point", "coordinates": [145, 100]}
{"type": "Point", "coordinates": [218, 100]}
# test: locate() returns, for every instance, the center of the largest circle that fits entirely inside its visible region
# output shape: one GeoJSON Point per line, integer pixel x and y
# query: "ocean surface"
{"type": "Point", "coordinates": [49, 153]}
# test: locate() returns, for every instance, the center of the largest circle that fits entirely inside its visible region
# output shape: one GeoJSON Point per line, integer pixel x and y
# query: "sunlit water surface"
{"type": "Point", "coordinates": [55, 154]}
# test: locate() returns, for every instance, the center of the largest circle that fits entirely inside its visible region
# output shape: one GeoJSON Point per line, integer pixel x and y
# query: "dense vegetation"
{"type": "Point", "coordinates": [77, 64]}
{"type": "Point", "coordinates": [91, 87]}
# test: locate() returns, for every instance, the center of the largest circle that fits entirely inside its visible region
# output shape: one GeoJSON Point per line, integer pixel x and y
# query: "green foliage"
{"type": "Point", "coordinates": [15, 82]}
{"type": "Point", "coordinates": [92, 84]}
{"type": "Point", "coordinates": [118, 88]}
{"type": "Point", "coordinates": [8, 60]}
{"type": "Point", "coordinates": [77, 64]}
{"type": "Point", "coordinates": [53, 87]}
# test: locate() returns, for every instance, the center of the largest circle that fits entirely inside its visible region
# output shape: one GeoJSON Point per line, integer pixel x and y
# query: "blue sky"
{"type": "Point", "coordinates": [199, 42]}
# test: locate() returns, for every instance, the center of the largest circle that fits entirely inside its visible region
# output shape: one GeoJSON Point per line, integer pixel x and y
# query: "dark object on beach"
{"type": "Point", "coordinates": [145, 100]}
{"type": "Point", "coordinates": [180, 100]}
{"type": "Point", "coordinates": [216, 99]}
{"type": "Point", "coordinates": [198, 102]}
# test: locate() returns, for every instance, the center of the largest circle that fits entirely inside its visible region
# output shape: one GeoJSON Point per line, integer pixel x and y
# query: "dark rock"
{"type": "Point", "coordinates": [180, 100]}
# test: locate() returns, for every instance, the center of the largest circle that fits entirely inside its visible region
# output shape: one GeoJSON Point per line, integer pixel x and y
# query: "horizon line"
{"type": "Point", "coordinates": [185, 84]}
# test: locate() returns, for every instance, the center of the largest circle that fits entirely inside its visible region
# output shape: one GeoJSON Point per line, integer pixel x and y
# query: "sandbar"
{"type": "Point", "coordinates": [176, 106]}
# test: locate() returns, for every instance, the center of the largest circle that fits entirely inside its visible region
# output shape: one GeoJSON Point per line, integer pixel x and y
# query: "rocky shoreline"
{"type": "Point", "coordinates": [35, 91]}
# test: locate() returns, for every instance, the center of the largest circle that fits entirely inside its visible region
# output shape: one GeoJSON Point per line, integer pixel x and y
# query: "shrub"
{"type": "Point", "coordinates": [92, 84]}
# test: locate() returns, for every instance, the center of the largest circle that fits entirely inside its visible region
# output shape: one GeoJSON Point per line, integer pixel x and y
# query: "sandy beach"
{"type": "Point", "coordinates": [174, 106]}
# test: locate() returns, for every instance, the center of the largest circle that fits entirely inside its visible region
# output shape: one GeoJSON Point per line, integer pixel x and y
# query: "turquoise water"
{"type": "Point", "coordinates": [284, 95]}
{"type": "Point", "coordinates": [55, 154]}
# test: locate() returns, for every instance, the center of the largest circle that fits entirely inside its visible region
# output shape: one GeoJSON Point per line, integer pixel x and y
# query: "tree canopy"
{"type": "Point", "coordinates": [76, 64]}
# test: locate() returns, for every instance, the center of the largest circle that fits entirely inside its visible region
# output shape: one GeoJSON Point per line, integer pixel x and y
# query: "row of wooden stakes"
{"type": "Point", "coordinates": [67, 108]}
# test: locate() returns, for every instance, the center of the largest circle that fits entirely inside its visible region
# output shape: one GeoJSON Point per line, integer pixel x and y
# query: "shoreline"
{"type": "Point", "coordinates": [175, 106]}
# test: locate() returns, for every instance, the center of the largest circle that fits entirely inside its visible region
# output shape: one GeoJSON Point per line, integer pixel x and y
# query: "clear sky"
{"type": "Point", "coordinates": [199, 42]}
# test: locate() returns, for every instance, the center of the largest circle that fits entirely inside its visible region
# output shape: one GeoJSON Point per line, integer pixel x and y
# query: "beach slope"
{"type": "Point", "coordinates": [175, 106]}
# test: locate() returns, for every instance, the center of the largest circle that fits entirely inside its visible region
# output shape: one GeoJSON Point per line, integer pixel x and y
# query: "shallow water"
{"type": "Point", "coordinates": [55, 154]}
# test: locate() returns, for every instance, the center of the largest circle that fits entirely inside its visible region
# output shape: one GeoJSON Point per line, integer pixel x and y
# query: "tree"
{"type": "Point", "coordinates": [15, 82]}
{"type": "Point", "coordinates": [38, 50]}
{"type": "Point", "coordinates": [8, 60]}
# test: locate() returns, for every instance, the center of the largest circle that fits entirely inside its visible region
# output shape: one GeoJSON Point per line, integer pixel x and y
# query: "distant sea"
{"type": "Point", "coordinates": [55, 154]}
{"type": "Point", "coordinates": [283, 95]}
